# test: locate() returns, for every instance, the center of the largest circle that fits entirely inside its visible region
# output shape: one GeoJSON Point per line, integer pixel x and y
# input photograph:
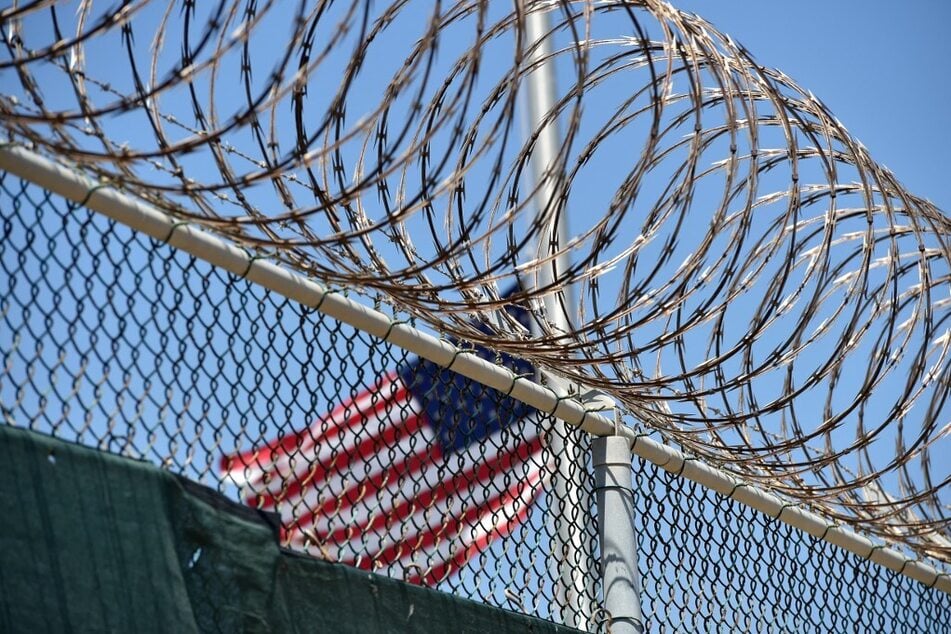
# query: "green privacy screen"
{"type": "Point", "coordinates": [92, 542]}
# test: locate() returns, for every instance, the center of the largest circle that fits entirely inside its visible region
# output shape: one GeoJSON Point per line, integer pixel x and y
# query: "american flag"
{"type": "Point", "coordinates": [411, 478]}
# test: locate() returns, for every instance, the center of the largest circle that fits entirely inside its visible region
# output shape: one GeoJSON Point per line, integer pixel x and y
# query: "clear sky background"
{"type": "Point", "coordinates": [882, 67]}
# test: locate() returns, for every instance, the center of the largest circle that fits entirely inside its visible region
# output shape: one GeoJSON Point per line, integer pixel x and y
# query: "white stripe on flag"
{"type": "Point", "coordinates": [350, 456]}
{"type": "Point", "coordinates": [387, 520]}
{"type": "Point", "coordinates": [282, 459]}
{"type": "Point", "coordinates": [368, 484]}
{"type": "Point", "coordinates": [430, 563]}
{"type": "Point", "coordinates": [378, 483]}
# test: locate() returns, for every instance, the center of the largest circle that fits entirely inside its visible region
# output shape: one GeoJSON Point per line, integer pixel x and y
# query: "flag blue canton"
{"type": "Point", "coordinates": [462, 412]}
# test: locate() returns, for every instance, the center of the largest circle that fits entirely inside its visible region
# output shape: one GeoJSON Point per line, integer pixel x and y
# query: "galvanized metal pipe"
{"type": "Point", "coordinates": [614, 493]}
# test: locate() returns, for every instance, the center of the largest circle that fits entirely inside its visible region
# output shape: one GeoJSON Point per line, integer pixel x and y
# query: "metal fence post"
{"type": "Point", "coordinates": [615, 499]}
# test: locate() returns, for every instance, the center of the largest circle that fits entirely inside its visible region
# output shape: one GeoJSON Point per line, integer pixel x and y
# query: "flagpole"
{"type": "Point", "coordinates": [568, 503]}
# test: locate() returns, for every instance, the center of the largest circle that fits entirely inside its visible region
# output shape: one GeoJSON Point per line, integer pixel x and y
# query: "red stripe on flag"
{"type": "Point", "coordinates": [344, 417]}
{"type": "Point", "coordinates": [440, 571]}
{"type": "Point", "coordinates": [448, 529]}
{"type": "Point", "coordinates": [317, 472]}
{"type": "Point", "coordinates": [371, 486]}
{"type": "Point", "coordinates": [445, 488]}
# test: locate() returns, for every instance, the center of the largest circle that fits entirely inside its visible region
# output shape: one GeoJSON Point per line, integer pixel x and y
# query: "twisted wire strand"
{"type": "Point", "coordinates": [741, 275]}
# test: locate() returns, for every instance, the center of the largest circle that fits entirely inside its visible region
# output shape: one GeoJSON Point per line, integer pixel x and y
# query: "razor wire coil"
{"type": "Point", "coordinates": [748, 281]}
{"type": "Point", "coordinates": [120, 342]}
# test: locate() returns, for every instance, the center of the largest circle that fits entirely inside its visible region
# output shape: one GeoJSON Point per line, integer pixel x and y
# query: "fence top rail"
{"type": "Point", "coordinates": [575, 408]}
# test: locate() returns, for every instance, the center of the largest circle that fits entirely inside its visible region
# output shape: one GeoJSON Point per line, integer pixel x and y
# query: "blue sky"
{"type": "Point", "coordinates": [880, 66]}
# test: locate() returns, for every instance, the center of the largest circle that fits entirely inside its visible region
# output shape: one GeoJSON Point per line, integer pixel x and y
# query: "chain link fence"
{"type": "Point", "coordinates": [708, 563]}
{"type": "Point", "coordinates": [373, 458]}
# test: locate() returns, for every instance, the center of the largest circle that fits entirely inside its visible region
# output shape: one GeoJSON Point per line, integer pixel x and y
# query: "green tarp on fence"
{"type": "Point", "coordinates": [91, 542]}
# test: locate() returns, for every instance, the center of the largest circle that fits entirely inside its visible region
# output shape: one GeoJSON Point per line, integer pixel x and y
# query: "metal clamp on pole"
{"type": "Point", "coordinates": [615, 498]}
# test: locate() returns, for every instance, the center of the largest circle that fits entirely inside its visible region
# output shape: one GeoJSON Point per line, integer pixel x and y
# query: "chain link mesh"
{"type": "Point", "coordinates": [708, 563]}
{"type": "Point", "coordinates": [117, 341]}
{"type": "Point", "coordinates": [745, 277]}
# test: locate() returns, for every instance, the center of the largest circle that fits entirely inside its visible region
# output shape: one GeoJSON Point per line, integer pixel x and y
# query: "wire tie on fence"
{"type": "Point", "coordinates": [564, 397]}
{"type": "Point", "coordinates": [736, 485]}
{"type": "Point", "coordinates": [782, 508]}
{"type": "Point", "coordinates": [323, 296]}
{"type": "Point", "coordinates": [829, 527]}
{"type": "Point", "coordinates": [934, 581]}
{"type": "Point", "coordinates": [247, 269]}
{"type": "Point", "coordinates": [683, 464]}
{"type": "Point", "coordinates": [584, 417]}
{"type": "Point", "coordinates": [455, 356]}
{"type": "Point", "coordinates": [93, 190]}
{"type": "Point", "coordinates": [871, 552]}
{"type": "Point", "coordinates": [586, 410]}
{"type": "Point", "coordinates": [171, 231]}
{"type": "Point", "coordinates": [904, 564]}
{"type": "Point", "coordinates": [938, 576]}
{"type": "Point", "coordinates": [515, 378]}
{"type": "Point", "coordinates": [252, 258]}
{"type": "Point", "coordinates": [638, 436]}
{"type": "Point", "coordinates": [393, 324]}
